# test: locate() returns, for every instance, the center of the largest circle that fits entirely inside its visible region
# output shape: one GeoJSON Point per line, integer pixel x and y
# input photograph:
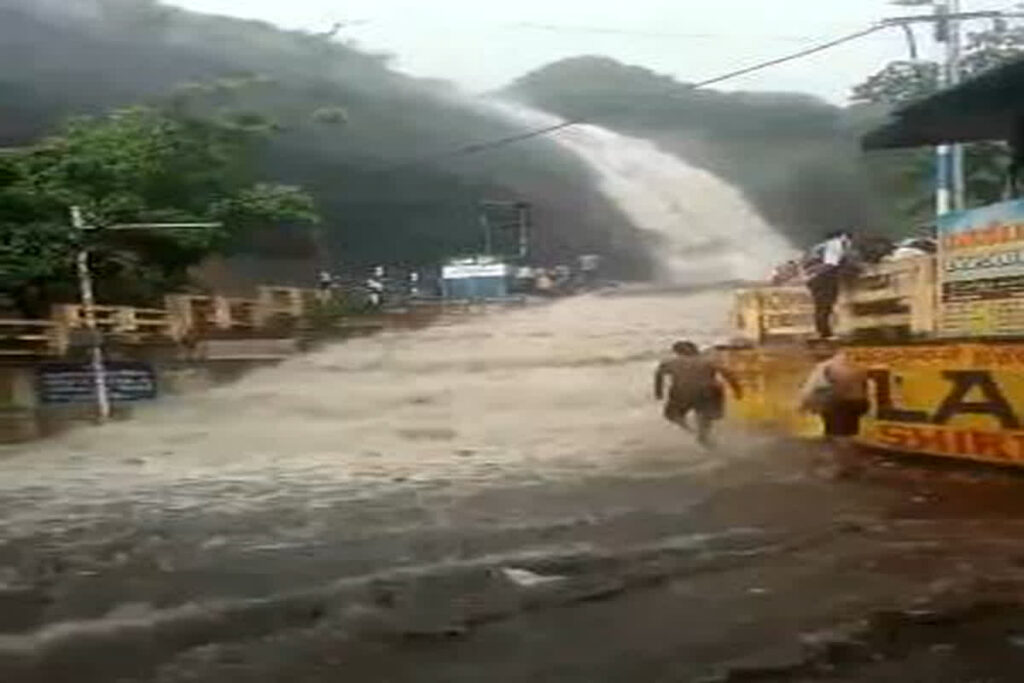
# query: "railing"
{"type": "Point", "coordinates": [198, 316]}
{"type": "Point", "coordinates": [185, 317]}
{"type": "Point", "coordinates": [126, 323]}
{"type": "Point", "coordinates": [31, 338]}
{"type": "Point", "coordinates": [188, 320]}
{"type": "Point", "coordinates": [284, 301]}
{"type": "Point", "coordinates": [774, 313]}
{"type": "Point", "coordinates": [888, 300]}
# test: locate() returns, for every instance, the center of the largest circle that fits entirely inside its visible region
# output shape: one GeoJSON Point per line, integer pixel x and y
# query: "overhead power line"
{"type": "Point", "coordinates": [478, 147]}
{"type": "Point", "coordinates": [637, 33]}
{"type": "Point", "coordinates": [791, 57]}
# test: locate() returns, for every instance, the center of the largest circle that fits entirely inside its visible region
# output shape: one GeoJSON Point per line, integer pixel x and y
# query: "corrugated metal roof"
{"type": "Point", "coordinates": [987, 107]}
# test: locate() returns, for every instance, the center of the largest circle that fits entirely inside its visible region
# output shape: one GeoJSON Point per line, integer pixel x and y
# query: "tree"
{"type": "Point", "coordinates": [899, 83]}
{"type": "Point", "coordinates": [909, 174]}
{"type": "Point", "coordinates": [142, 164]}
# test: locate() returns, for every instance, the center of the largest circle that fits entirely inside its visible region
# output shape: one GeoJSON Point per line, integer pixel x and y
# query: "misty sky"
{"type": "Point", "coordinates": [482, 44]}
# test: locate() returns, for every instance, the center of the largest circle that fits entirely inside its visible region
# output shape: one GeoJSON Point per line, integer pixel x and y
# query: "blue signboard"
{"type": "Point", "coordinates": [63, 383]}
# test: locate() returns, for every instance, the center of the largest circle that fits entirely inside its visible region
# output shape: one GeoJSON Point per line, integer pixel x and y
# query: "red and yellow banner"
{"type": "Point", "coordinates": [955, 400]}
{"type": "Point", "coordinates": [952, 400]}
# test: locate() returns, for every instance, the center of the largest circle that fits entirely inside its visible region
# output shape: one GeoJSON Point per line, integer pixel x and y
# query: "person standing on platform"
{"type": "Point", "coordinates": [823, 269]}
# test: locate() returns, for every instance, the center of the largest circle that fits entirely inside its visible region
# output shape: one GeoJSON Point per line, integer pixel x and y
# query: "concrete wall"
{"type": "Point", "coordinates": [23, 418]}
{"type": "Point", "coordinates": [17, 403]}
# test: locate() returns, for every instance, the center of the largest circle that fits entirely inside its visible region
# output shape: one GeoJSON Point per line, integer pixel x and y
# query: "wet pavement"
{"type": "Point", "coordinates": [494, 501]}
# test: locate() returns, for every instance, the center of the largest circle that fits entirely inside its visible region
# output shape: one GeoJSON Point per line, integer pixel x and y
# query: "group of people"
{"type": "Point", "coordinates": [372, 291]}
{"type": "Point", "coordinates": [836, 390]}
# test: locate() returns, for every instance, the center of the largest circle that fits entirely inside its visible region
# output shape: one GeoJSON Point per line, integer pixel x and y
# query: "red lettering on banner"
{"type": "Point", "coordinates": [989, 444]}
{"type": "Point", "coordinates": [960, 442]}
{"type": "Point", "coordinates": [993, 446]}
{"type": "Point", "coordinates": [985, 236]}
{"type": "Point", "coordinates": [928, 440]}
{"type": "Point", "coordinates": [893, 435]}
{"type": "Point", "coordinates": [1019, 440]}
{"type": "Point", "coordinates": [888, 356]}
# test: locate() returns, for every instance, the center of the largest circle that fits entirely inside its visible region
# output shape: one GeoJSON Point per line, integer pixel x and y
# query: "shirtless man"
{"type": "Point", "coordinates": [837, 390]}
{"type": "Point", "coordinates": [694, 386]}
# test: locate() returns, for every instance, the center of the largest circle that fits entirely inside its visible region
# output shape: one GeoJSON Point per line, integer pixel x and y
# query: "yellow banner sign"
{"type": "Point", "coordinates": [953, 400]}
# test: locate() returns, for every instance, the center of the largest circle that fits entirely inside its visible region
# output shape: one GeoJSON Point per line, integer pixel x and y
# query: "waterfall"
{"type": "Point", "coordinates": [702, 229]}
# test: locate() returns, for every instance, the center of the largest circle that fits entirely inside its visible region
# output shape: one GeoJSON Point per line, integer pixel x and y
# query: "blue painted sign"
{"type": "Point", "coordinates": [64, 383]}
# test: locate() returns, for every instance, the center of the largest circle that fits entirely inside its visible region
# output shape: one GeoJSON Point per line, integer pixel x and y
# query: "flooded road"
{"type": "Point", "coordinates": [495, 500]}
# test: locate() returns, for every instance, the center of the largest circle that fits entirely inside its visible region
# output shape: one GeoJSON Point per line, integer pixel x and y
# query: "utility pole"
{"type": "Point", "coordinates": [485, 225]}
{"type": "Point", "coordinates": [523, 210]}
{"type": "Point", "coordinates": [521, 224]}
{"type": "Point", "coordinates": [950, 190]}
{"type": "Point", "coordinates": [954, 53]}
{"type": "Point", "coordinates": [950, 183]}
{"type": "Point", "coordinates": [97, 363]}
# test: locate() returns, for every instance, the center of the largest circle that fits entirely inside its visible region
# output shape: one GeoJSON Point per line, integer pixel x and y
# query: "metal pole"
{"type": "Point", "coordinates": [524, 230]}
{"type": "Point", "coordinates": [954, 45]}
{"type": "Point", "coordinates": [99, 370]}
{"type": "Point", "coordinates": [950, 184]}
{"type": "Point", "coordinates": [485, 223]}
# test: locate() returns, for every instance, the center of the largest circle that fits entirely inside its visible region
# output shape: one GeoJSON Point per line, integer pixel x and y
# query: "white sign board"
{"type": "Point", "coordinates": [464, 272]}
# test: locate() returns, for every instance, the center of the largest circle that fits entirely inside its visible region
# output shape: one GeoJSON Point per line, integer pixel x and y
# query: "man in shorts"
{"type": "Point", "coordinates": [837, 390]}
{"type": "Point", "coordinates": [694, 386]}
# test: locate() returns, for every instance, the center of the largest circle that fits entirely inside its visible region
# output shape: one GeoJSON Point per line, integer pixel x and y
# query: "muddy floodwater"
{"type": "Point", "coordinates": [496, 500]}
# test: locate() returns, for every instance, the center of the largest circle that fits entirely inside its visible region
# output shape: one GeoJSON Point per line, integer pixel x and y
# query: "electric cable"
{"type": "Point", "coordinates": [479, 147]}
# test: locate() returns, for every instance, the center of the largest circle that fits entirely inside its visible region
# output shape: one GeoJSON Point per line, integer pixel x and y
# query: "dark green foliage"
{"type": "Point", "coordinates": [905, 179]}
{"type": "Point", "coordinates": [134, 165]}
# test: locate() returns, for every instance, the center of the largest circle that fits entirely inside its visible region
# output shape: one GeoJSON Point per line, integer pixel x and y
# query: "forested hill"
{"type": "Point", "coordinates": [64, 57]}
{"type": "Point", "coordinates": [795, 156]}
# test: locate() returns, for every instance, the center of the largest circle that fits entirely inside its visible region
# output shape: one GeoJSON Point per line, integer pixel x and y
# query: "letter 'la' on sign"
{"type": "Point", "coordinates": [962, 383]}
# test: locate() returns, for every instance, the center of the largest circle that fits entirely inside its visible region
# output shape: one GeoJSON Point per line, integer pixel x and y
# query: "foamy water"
{"type": "Point", "coordinates": [539, 392]}
{"type": "Point", "coordinates": [702, 229]}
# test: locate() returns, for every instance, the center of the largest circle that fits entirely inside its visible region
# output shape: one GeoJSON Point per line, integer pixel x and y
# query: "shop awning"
{"type": "Point", "coordinates": [986, 107]}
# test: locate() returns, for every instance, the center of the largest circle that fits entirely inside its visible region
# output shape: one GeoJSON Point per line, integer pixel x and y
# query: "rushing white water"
{"type": "Point", "coordinates": [703, 229]}
{"type": "Point", "coordinates": [527, 392]}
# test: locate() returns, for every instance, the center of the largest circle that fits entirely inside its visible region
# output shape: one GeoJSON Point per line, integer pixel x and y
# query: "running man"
{"type": "Point", "coordinates": [694, 387]}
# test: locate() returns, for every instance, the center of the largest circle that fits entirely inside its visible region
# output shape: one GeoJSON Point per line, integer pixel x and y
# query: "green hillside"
{"type": "Point", "coordinates": [64, 57]}
{"type": "Point", "coordinates": [795, 156]}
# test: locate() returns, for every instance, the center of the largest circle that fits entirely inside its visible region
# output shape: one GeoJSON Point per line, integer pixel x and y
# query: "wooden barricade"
{"type": "Point", "coordinates": [72, 317]}
{"type": "Point", "coordinates": [774, 313]}
{"type": "Point", "coordinates": [287, 301]}
{"type": "Point", "coordinates": [31, 338]}
{"type": "Point", "coordinates": [127, 323]}
{"type": "Point", "coordinates": [196, 316]}
{"type": "Point", "coordinates": [890, 300]}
